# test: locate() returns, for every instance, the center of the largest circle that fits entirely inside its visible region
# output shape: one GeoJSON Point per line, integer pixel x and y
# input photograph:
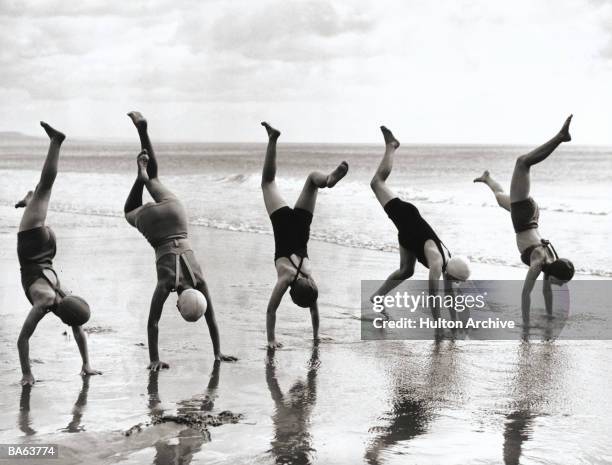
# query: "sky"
{"type": "Point", "coordinates": [449, 71]}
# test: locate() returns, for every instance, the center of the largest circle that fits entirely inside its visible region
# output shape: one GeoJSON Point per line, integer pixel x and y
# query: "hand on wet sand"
{"type": "Point", "coordinates": [274, 345]}
{"type": "Point", "coordinates": [27, 380]}
{"type": "Point", "coordinates": [157, 365]}
{"type": "Point", "coordinates": [86, 370]}
{"type": "Point", "coordinates": [225, 358]}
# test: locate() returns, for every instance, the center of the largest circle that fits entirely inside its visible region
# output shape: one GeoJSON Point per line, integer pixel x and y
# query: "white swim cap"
{"type": "Point", "coordinates": [191, 304]}
{"type": "Point", "coordinates": [459, 268]}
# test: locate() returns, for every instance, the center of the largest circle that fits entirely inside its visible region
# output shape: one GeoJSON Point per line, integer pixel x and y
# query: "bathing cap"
{"type": "Point", "coordinates": [304, 292]}
{"type": "Point", "coordinates": [561, 269]}
{"type": "Point", "coordinates": [191, 304]}
{"type": "Point", "coordinates": [459, 268]}
{"type": "Point", "coordinates": [73, 310]}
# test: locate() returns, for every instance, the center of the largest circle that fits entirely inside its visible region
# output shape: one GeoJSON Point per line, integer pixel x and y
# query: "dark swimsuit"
{"type": "Point", "coordinates": [291, 228]}
{"type": "Point", "coordinates": [525, 215]}
{"type": "Point", "coordinates": [36, 249]}
{"type": "Point", "coordinates": [413, 230]}
{"type": "Point", "coordinates": [164, 225]}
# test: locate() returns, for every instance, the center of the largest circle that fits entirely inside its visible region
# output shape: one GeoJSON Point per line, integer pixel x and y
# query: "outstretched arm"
{"type": "Point", "coordinates": [532, 275]}
{"type": "Point", "coordinates": [314, 317]}
{"type": "Point", "coordinates": [23, 342]}
{"type": "Point", "coordinates": [435, 271]}
{"type": "Point", "coordinates": [548, 295]}
{"type": "Point", "coordinates": [157, 304]}
{"type": "Point", "coordinates": [213, 329]}
{"type": "Point", "coordinates": [81, 340]}
{"type": "Point", "coordinates": [279, 290]}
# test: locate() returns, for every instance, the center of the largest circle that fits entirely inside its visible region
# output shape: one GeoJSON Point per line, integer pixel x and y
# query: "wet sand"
{"type": "Point", "coordinates": [346, 401]}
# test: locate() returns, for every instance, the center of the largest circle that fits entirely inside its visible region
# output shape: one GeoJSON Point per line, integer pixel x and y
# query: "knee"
{"type": "Point", "coordinates": [521, 162]}
{"type": "Point", "coordinates": [406, 272]}
{"type": "Point", "coordinates": [376, 182]}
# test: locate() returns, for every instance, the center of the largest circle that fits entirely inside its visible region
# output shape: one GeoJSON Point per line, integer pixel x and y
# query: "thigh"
{"type": "Point", "coordinates": [35, 213]}
{"type": "Point", "coordinates": [272, 197]}
{"type": "Point", "coordinates": [308, 197]}
{"type": "Point", "coordinates": [407, 259]}
{"type": "Point", "coordinates": [520, 184]}
{"type": "Point", "coordinates": [158, 191]}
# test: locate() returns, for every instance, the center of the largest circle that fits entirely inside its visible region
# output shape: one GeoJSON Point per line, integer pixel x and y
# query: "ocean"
{"type": "Point", "coordinates": [219, 184]}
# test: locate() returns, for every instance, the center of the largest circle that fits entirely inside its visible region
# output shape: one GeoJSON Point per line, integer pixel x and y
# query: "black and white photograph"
{"type": "Point", "coordinates": [305, 232]}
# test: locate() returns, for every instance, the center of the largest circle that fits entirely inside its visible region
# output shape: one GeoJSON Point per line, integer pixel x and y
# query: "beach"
{"type": "Point", "coordinates": [347, 401]}
{"type": "Point", "coordinates": [342, 401]}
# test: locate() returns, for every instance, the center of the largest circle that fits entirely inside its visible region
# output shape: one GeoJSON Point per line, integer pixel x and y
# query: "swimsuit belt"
{"type": "Point", "coordinates": [56, 288]}
{"type": "Point", "coordinates": [177, 273]}
{"type": "Point", "coordinates": [298, 268]}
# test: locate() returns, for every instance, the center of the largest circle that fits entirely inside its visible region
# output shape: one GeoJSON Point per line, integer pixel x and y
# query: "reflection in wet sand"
{"type": "Point", "coordinates": [415, 398]}
{"type": "Point", "coordinates": [292, 442]}
{"type": "Point", "coordinates": [79, 407]}
{"type": "Point", "coordinates": [538, 366]}
{"type": "Point", "coordinates": [74, 426]}
{"type": "Point", "coordinates": [180, 450]}
{"type": "Point", "coordinates": [24, 421]}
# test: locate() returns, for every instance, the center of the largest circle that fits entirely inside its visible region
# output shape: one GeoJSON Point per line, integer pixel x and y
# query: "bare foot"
{"type": "Point", "coordinates": [53, 133]}
{"type": "Point", "coordinates": [25, 201]}
{"type": "Point", "coordinates": [564, 133]}
{"type": "Point", "coordinates": [337, 174]}
{"type": "Point", "coordinates": [483, 178]}
{"type": "Point", "coordinates": [139, 121]}
{"type": "Point", "coordinates": [272, 133]}
{"type": "Point", "coordinates": [143, 162]}
{"type": "Point", "coordinates": [389, 137]}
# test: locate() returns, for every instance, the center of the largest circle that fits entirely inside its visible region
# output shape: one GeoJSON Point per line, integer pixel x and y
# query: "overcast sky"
{"type": "Point", "coordinates": [478, 71]}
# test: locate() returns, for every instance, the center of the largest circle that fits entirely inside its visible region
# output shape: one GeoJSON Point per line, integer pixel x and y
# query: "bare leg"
{"type": "Point", "coordinates": [502, 198]}
{"type": "Point", "coordinates": [37, 204]}
{"type": "Point", "coordinates": [405, 271]}
{"type": "Point", "coordinates": [317, 180]}
{"type": "Point", "coordinates": [134, 199]}
{"type": "Point", "coordinates": [378, 183]}
{"type": "Point", "coordinates": [157, 190]}
{"type": "Point", "coordinates": [272, 197]}
{"type": "Point", "coordinates": [520, 184]}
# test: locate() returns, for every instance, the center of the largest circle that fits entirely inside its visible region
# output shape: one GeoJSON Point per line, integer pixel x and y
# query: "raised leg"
{"type": "Point", "coordinates": [317, 180]}
{"type": "Point", "coordinates": [272, 197]}
{"type": "Point", "coordinates": [520, 184]}
{"type": "Point", "coordinates": [503, 199]}
{"type": "Point", "coordinates": [378, 184]}
{"type": "Point", "coordinates": [405, 271]}
{"type": "Point", "coordinates": [37, 204]}
{"type": "Point", "coordinates": [157, 190]}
